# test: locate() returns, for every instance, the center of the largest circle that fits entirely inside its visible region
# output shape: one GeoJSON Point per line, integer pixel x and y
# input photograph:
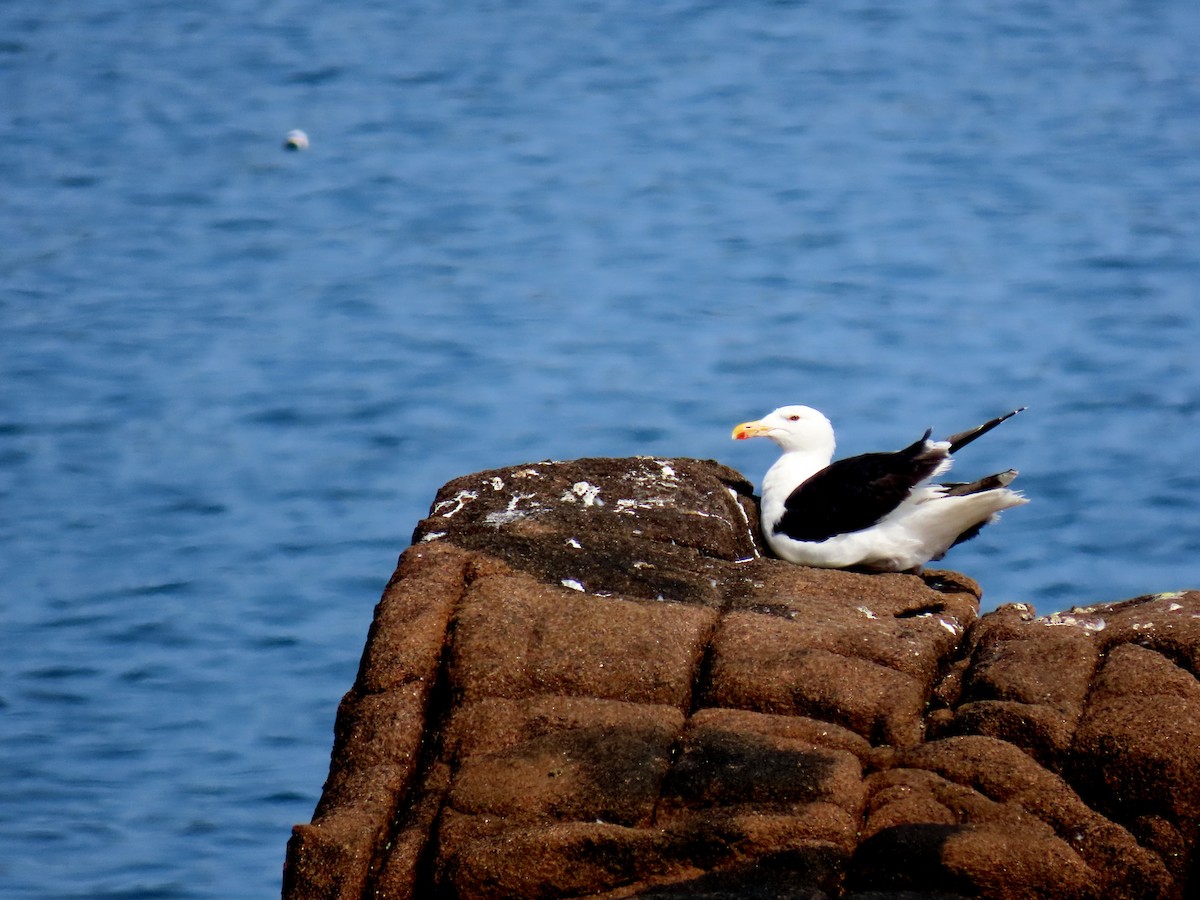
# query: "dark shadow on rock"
{"type": "Point", "coordinates": [719, 768]}
{"type": "Point", "coordinates": [907, 858]}
{"type": "Point", "coordinates": [812, 873]}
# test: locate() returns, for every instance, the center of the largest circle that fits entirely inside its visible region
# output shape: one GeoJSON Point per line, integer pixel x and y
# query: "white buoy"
{"type": "Point", "coordinates": [296, 140]}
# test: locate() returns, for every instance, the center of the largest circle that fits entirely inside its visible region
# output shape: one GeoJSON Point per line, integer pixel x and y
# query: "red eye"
{"type": "Point", "coordinates": [793, 418]}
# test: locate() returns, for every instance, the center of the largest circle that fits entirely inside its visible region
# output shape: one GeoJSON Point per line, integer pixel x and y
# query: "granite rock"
{"type": "Point", "coordinates": [587, 679]}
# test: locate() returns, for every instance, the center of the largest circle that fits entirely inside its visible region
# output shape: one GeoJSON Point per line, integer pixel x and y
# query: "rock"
{"type": "Point", "coordinates": [585, 679]}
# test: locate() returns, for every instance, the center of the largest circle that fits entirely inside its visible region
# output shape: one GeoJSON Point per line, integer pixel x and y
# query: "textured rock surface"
{"type": "Point", "coordinates": [584, 680]}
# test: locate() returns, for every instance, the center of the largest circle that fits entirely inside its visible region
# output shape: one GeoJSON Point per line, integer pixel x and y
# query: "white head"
{"type": "Point", "coordinates": [793, 428]}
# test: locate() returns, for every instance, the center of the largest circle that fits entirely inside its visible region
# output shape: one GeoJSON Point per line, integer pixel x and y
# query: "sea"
{"type": "Point", "coordinates": [233, 376]}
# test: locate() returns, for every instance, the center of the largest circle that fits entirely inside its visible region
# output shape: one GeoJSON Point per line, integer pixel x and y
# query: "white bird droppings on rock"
{"type": "Point", "coordinates": [503, 517]}
{"type": "Point", "coordinates": [628, 506]}
{"type": "Point", "coordinates": [572, 584]}
{"type": "Point", "coordinates": [741, 510]}
{"type": "Point", "coordinates": [459, 500]}
{"type": "Point", "coordinates": [581, 490]}
{"type": "Point", "coordinates": [1071, 620]}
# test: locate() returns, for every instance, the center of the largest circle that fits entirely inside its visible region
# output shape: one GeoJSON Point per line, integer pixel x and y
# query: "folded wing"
{"type": "Point", "coordinates": [855, 493]}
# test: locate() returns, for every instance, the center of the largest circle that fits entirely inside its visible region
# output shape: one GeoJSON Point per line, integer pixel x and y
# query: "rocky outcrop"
{"type": "Point", "coordinates": [584, 679]}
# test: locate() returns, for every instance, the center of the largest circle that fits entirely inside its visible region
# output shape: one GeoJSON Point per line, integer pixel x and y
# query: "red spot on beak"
{"type": "Point", "coordinates": [743, 431]}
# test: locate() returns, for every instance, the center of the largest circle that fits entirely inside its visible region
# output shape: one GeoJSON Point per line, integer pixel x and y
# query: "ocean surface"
{"type": "Point", "coordinates": [232, 377]}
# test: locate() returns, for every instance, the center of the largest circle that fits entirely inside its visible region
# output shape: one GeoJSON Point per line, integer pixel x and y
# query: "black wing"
{"type": "Point", "coordinates": [855, 493]}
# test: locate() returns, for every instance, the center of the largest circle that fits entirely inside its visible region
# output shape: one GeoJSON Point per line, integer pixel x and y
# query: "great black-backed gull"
{"type": "Point", "coordinates": [878, 511]}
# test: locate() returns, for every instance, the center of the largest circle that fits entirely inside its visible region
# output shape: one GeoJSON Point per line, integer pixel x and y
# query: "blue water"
{"type": "Point", "coordinates": [232, 377]}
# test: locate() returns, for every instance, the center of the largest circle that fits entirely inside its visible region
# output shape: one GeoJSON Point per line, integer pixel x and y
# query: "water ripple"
{"type": "Point", "coordinates": [235, 376]}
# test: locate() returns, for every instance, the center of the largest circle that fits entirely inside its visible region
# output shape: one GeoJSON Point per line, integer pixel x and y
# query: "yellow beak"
{"type": "Point", "coordinates": [749, 430]}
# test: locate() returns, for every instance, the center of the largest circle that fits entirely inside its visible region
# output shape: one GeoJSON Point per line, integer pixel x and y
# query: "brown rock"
{"type": "Point", "coordinates": [1136, 755]}
{"type": "Point", "coordinates": [515, 637]}
{"type": "Point", "coordinates": [757, 766]}
{"type": "Point", "coordinates": [1025, 683]}
{"type": "Point", "coordinates": [609, 772]}
{"type": "Point", "coordinates": [584, 679]}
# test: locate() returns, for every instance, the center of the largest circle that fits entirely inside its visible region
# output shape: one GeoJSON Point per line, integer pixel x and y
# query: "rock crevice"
{"type": "Point", "coordinates": [585, 679]}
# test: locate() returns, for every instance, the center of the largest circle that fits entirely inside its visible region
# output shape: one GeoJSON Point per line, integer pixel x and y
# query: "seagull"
{"type": "Point", "coordinates": [877, 511]}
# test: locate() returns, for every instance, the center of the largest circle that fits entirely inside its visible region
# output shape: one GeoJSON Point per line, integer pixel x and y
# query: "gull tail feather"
{"type": "Point", "coordinates": [960, 440]}
{"type": "Point", "coordinates": [987, 483]}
